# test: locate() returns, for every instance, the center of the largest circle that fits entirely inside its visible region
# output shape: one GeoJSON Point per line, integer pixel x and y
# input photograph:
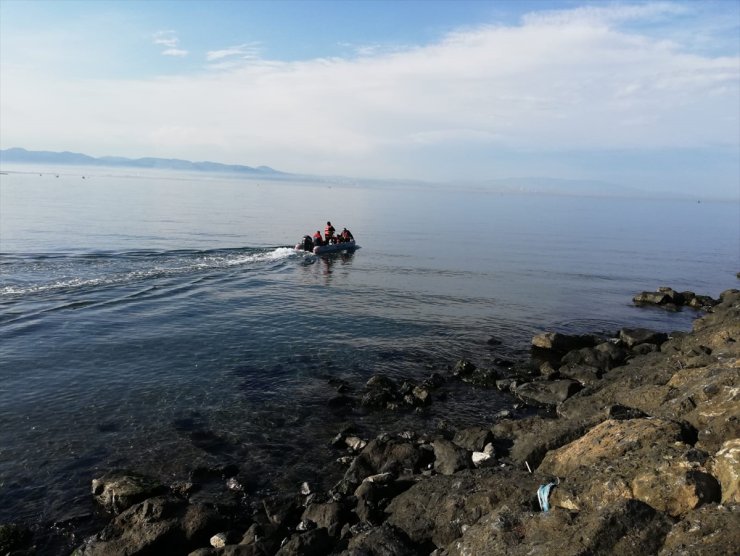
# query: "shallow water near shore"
{"type": "Point", "coordinates": [161, 321]}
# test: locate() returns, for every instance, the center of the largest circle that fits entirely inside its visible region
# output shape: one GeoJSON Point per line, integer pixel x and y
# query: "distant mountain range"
{"type": "Point", "coordinates": [22, 156]}
{"type": "Point", "coordinates": [519, 185]}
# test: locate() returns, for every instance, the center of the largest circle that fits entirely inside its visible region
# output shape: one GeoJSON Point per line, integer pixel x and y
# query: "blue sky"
{"type": "Point", "coordinates": [644, 94]}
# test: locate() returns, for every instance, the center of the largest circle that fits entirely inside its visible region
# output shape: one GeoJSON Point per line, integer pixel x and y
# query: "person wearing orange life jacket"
{"type": "Point", "coordinates": [328, 232]}
{"type": "Point", "coordinates": [317, 241]}
{"type": "Point", "coordinates": [346, 235]}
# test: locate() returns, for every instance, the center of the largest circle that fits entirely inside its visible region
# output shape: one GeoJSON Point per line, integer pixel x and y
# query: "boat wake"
{"type": "Point", "coordinates": [30, 274]}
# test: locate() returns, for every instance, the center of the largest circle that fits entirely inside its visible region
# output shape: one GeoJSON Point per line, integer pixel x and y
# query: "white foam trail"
{"type": "Point", "coordinates": [202, 263]}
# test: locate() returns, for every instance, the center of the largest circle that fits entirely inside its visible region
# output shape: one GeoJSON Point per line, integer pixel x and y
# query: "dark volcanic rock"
{"type": "Point", "coordinates": [382, 454]}
{"type": "Point", "coordinates": [634, 336]}
{"type": "Point", "coordinates": [437, 509]}
{"type": "Point", "coordinates": [463, 368]}
{"type": "Point", "coordinates": [473, 439]}
{"type": "Point", "coordinates": [547, 392]}
{"type": "Point", "coordinates": [710, 531]}
{"type": "Point", "coordinates": [310, 543]}
{"type": "Point", "coordinates": [562, 343]}
{"type": "Point", "coordinates": [159, 525]}
{"type": "Point", "coordinates": [449, 458]}
{"type": "Point", "coordinates": [628, 527]}
{"type": "Point", "coordinates": [604, 357]}
{"type": "Point", "coordinates": [385, 540]}
{"type": "Point", "coordinates": [330, 516]}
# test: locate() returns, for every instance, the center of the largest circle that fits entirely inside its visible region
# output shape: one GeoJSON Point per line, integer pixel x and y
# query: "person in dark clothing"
{"type": "Point", "coordinates": [346, 235]}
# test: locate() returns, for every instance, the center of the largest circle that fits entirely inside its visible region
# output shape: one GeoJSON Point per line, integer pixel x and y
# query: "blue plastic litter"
{"type": "Point", "coordinates": [543, 496]}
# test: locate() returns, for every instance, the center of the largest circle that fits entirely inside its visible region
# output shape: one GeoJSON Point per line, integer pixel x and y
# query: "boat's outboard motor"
{"type": "Point", "coordinates": [307, 243]}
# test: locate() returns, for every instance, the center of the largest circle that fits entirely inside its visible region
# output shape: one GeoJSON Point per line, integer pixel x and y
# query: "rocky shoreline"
{"type": "Point", "coordinates": [632, 447]}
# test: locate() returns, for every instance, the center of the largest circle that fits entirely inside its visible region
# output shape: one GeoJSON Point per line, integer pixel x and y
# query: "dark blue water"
{"type": "Point", "coordinates": [160, 322]}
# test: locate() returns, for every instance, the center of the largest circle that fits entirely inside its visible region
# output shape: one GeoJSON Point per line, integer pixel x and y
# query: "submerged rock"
{"type": "Point", "coordinates": [118, 491]}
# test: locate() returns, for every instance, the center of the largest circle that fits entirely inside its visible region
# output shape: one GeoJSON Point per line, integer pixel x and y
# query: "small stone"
{"type": "Point", "coordinates": [234, 484]}
{"type": "Point", "coordinates": [219, 540]}
{"type": "Point", "coordinates": [355, 443]}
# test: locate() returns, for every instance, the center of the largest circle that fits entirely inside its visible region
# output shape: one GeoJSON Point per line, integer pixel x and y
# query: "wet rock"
{"type": "Point", "coordinates": [433, 381]}
{"type": "Point", "coordinates": [604, 356]}
{"type": "Point", "coordinates": [381, 382]}
{"type": "Point", "coordinates": [449, 458]}
{"type": "Point", "coordinates": [310, 543]}
{"type": "Point", "coordinates": [159, 525]}
{"type": "Point", "coordinates": [355, 443]}
{"type": "Point", "coordinates": [562, 343]}
{"type": "Point", "coordinates": [547, 392]}
{"type": "Point", "coordinates": [710, 531]}
{"type": "Point", "coordinates": [651, 298]}
{"type": "Point", "coordinates": [421, 395]}
{"type": "Point", "coordinates": [330, 516]}
{"type": "Point", "coordinates": [725, 467]}
{"type": "Point", "coordinates": [485, 378]}
{"type": "Point", "coordinates": [634, 336]}
{"type": "Point", "coordinates": [118, 491]}
{"type": "Point", "coordinates": [473, 439]}
{"type": "Point", "coordinates": [382, 454]}
{"type": "Point", "coordinates": [282, 510]}
{"type": "Point", "coordinates": [463, 368]}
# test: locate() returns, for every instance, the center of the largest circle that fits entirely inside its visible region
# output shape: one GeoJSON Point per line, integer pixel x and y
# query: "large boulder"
{"type": "Point", "coordinates": [385, 540]}
{"type": "Point", "coordinates": [627, 527]}
{"type": "Point", "coordinates": [562, 343]}
{"type": "Point", "coordinates": [450, 458]}
{"type": "Point", "coordinates": [725, 467]}
{"type": "Point", "coordinates": [643, 459]}
{"type": "Point", "coordinates": [159, 525]}
{"type": "Point", "coordinates": [710, 531]}
{"type": "Point", "coordinates": [436, 510]}
{"type": "Point", "coordinates": [383, 454]}
{"type": "Point", "coordinates": [547, 393]}
{"type": "Point", "coordinates": [634, 336]}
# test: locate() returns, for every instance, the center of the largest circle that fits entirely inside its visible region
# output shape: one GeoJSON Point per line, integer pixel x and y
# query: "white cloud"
{"type": "Point", "coordinates": [580, 84]}
{"type": "Point", "coordinates": [249, 51]}
{"type": "Point", "coordinates": [178, 52]}
{"type": "Point", "coordinates": [170, 42]}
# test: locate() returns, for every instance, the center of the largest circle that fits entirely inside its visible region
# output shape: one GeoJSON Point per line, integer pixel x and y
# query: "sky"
{"type": "Point", "coordinates": [640, 94]}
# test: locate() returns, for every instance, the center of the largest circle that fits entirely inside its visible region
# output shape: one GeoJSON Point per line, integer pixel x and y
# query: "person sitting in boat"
{"type": "Point", "coordinates": [346, 235]}
{"type": "Point", "coordinates": [328, 232]}
{"type": "Point", "coordinates": [307, 243]}
{"type": "Point", "coordinates": [317, 241]}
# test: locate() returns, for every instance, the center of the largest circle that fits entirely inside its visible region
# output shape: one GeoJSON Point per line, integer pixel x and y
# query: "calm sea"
{"type": "Point", "coordinates": [161, 321]}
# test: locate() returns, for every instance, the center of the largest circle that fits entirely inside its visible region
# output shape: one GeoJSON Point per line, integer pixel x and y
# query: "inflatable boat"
{"type": "Point", "coordinates": [331, 248]}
